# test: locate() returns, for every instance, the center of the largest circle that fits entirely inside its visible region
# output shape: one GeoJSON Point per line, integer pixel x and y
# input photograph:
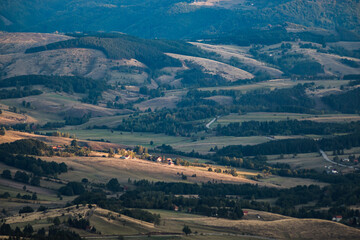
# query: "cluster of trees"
{"type": "Point", "coordinates": [26, 146]}
{"type": "Point", "coordinates": [142, 215]}
{"type": "Point", "coordinates": [289, 127]}
{"type": "Point", "coordinates": [153, 93]}
{"type": "Point", "coordinates": [36, 166]}
{"type": "Point", "coordinates": [71, 189]}
{"type": "Point", "coordinates": [18, 93]}
{"type": "Point", "coordinates": [71, 120]}
{"type": "Point", "coordinates": [27, 196]}
{"type": "Point", "coordinates": [29, 233]}
{"type": "Point", "coordinates": [114, 185]}
{"type": "Point", "coordinates": [78, 223]}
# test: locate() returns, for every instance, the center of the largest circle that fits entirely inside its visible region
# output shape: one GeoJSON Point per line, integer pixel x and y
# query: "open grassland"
{"type": "Point", "coordinates": [101, 169]}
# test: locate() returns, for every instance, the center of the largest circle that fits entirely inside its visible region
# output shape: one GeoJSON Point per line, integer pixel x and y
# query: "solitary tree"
{"type": "Point", "coordinates": [186, 230]}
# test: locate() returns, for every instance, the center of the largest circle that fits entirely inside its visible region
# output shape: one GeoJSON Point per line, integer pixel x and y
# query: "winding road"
{"type": "Point", "coordinates": [326, 158]}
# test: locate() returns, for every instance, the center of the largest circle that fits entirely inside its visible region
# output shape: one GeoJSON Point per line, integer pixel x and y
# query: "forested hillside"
{"type": "Point", "coordinates": [155, 18]}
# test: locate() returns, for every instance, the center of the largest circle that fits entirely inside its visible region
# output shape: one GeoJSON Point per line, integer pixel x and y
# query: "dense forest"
{"type": "Point", "coordinates": [240, 24]}
{"type": "Point", "coordinates": [347, 102]}
{"type": "Point", "coordinates": [289, 127]}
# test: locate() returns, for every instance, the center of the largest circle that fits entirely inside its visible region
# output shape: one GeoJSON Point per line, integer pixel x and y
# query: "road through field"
{"type": "Point", "coordinates": [326, 158]}
{"type": "Point", "coordinates": [211, 122]}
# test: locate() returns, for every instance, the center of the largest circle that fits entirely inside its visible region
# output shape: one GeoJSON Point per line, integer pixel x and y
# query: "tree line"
{"type": "Point", "coordinates": [288, 127]}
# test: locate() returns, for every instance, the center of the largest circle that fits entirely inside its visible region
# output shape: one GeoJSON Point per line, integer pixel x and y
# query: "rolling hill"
{"type": "Point", "coordinates": [241, 20]}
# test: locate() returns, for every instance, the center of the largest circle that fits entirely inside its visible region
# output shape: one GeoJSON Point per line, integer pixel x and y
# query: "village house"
{"type": "Point", "coordinates": [337, 218]}
{"type": "Point", "coordinates": [58, 148]}
{"type": "Point", "coordinates": [170, 161]}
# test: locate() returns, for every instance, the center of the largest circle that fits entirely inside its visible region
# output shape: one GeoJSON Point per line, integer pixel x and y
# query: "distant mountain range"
{"type": "Point", "coordinates": [237, 21]}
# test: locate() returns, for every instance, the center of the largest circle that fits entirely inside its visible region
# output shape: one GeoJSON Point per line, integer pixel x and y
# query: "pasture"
{"type": "Point", "coordinates": [184, 144]}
